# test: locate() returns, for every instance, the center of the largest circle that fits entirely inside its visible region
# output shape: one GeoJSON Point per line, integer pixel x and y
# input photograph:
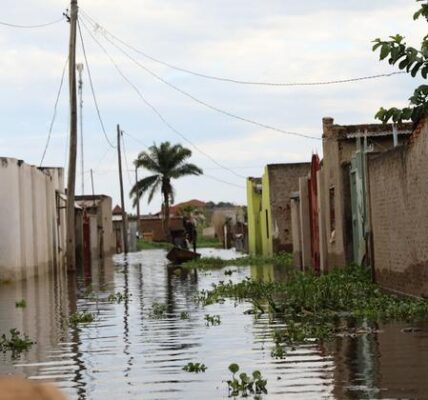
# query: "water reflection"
{"type": "Point", "coordinates": [128, 353]}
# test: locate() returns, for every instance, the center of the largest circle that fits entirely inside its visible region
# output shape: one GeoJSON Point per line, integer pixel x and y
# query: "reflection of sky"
{"type": "Point", "coordinates": [274, 40]}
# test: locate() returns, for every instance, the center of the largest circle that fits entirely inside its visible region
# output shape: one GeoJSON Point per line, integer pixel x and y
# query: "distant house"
{"type": "Point", "coordinates": [175, 210]}
{"type": "Point", "coordinates": [269, 215]}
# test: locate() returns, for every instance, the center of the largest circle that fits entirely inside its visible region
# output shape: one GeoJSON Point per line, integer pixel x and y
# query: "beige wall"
{"type": "Point", "coordinates": [398, 202]}
{"type": "Point", "coordinates": [283, 181]}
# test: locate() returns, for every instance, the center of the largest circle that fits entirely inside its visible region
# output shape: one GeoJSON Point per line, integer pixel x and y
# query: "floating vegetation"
{"type": "Point", "coordinates": [245, 384]}
{"type": "Point", "coordinates": [158, 310]}
{"type": "Point", "coordinates": [184, 315]}
{"type": "Point", "coordinates": [117, 297]}
{"type": "Point", "coordinates": [21, 304]}
{"type": "Point", "coordinates": [314, 307]}
{"type": "Point", "coordinates": [216, 262]}
{"type": "Point", "coordinates": [16, 343]}
{"type": "Point", "coordinates": [81, 317]}
{"type": "Point", "coordinates": [195, 367]}
{"type": "Point", "coordinates": [212, 320]}
{"type": "Point", "coordinates": [228, 272]}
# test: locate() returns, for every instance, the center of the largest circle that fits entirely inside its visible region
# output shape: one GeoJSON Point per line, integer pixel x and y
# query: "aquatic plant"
{"type": "Point", "coordinates": [81, 317]}
{"type": "Point", "coordinates": [212, 320]}
{"type": "Point", "coordinates": [158, 310]}
{"type": "Point", "coordinates": [21, 304]}
{"type": "Point", "coordinates": [312, 306]}
{"type": "Point", "coordinates": [245, 384]}
{"type": "Point", "coordinates": [16, 343]}
{"type": "Point", "coordinates": [195, 367]}
{"type": "Point", "coordinates": [184, 315]}
{"type": "Point", "coordinates": [217, 262]}
{"type": "Point", "coordinates": [117, 297]}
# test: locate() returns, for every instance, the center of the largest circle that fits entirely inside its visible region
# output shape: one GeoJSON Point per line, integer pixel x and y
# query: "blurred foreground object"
{"type": "Point", "coordinates": [14, 388]}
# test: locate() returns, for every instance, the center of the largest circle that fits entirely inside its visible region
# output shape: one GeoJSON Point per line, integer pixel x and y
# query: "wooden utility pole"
{"type": "Point", "coordinates": [122, 198]}
{"type": "Point", "coordinates": [138, 203]}
{"type": "Point", "coordinates": [71, 179]}
{"type": "Point", "coordinates": [92, 185]}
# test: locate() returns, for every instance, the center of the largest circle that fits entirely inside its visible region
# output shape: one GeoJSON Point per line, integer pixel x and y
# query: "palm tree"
{"type": "Point", "coordinates": [167, 162]}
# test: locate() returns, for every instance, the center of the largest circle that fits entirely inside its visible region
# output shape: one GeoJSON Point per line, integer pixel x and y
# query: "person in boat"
{"type": "Point", "coordinates": [191, 233]}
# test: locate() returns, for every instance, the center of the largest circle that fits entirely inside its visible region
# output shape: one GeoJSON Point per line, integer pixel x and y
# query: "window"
{"type": "Point", "coordinates": [332, 210]}
{"type": "Point", "coordinates": [267, 224]}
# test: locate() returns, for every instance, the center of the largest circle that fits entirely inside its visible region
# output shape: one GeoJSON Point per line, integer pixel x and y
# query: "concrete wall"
{"type": "Point", "coordinates": [29, 230]}
{"type": "Point", "coordinates": [399, 215]}
{"type": "Point", "coordinates": [283, 181]}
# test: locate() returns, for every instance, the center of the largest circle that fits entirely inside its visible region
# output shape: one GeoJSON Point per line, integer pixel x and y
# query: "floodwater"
{"type": "Point", "coordinates": [126, 353]}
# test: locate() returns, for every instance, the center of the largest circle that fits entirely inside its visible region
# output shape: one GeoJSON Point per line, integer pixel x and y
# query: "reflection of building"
{"type": "Point", "coordinates": [32, 219]}
{"type": "Point", "coordinates": [269, 215]}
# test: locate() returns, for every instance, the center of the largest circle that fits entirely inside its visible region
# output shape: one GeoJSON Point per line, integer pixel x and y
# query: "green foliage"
{"type": "Point", "coordinates": [195, 367]}
{"type": "Point", "coordinates": [158, 310]}
{"type": "Point", "coordinates": [149, 245]}
{"type": "Point", "coordinates": [217, 262]}
{"type": "Point", "coordinates": [312, 306]}
{"type": "Point", "coordinates": [245, 384]}
{"type": "Point", "coordinates": [184, 315]}
{"type": "Point", "coordinates": [81, 317]}
{"type": "Point", "coordinates": [411, 60]}
{"type": "Point", "coordinates": [117, 297]}
{"type": "Point", "coordinates": [212, 320]}
{"type": "Point", "coordinates": [21, 304]}
{"type": "Point", "coordinates": [16, 343]}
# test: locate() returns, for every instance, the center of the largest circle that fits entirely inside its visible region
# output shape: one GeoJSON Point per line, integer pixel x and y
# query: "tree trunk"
{"type": "Point", "coordinates": [166, 215]}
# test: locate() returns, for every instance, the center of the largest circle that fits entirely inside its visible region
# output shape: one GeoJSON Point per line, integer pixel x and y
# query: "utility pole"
{"type": "Point", "coordinates": [138, 203]}
{"type": "Point", "coordinates": [71, 179]}
{"type": "Point", "coordinates": [79, 68]}
{"type": "Point", "coordinates": [122, 198]}
{"type": "Point", "coordinates": [92, 184]}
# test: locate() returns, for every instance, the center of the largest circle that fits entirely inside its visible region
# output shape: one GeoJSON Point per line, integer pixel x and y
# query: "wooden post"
{"type": "Point", "coordinates": [122, 198]}
{"type": "Point", "coordinates": [71, 179]}
{"type": "Point", "coordinates": [138, 203]}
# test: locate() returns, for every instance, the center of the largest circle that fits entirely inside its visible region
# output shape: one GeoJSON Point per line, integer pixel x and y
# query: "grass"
{"type": "Point", "coordinates": [318, 307]}
{"type": "Point", "coordinates": [217, 262]}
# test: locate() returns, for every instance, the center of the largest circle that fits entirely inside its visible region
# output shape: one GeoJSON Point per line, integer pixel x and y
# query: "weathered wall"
{"type": "Point", "coordinates": [399, 214]}
{"type": "Point", "coordinates": [254, 203]}
{"type": "Point", "coordinates": [283, 181]}
{"type": "Point", "coordinates": [154, 225]}
{"type": "Point", "coordinates": [29, 231]}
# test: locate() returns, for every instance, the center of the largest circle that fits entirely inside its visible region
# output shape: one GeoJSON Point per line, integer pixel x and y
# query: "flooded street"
{"type": "Point", "coordinates": [134, 351]}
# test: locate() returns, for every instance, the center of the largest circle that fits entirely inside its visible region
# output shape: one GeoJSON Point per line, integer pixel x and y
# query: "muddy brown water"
{"type": "Point", "coordinates": [127, 354]}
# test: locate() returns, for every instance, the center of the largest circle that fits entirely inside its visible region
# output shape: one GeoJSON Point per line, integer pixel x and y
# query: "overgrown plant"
{"type": "Point", "coordinates": [117, 297]}
{"type": "Point", "coordinates": [158, 310]}
{"type": "Point", "coordinates": [21, 304]}
{"type": "Point", "coordinates": [243, 385]}
{"type": "Point", "coordinates": [82, 317]}
{"type": "Point", "coordinates": [212, 320]}
{"type": "Point", "coordinates": [15, 343]}
{"type": "Point", "coordinates": [411, 60]}
{"type": "Point", "coordinates": [184, 315]}
{"type": "Point", "coordinates": [195, 367]}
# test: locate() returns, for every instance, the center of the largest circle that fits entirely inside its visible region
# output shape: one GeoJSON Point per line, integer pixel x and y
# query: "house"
{"type": "Point", "coordinates": [94, 227]}
{"type": "Point", "coordinates": [269, 212]}
{"type": "Point", "coordinates": [32, 219]}
{"type": "Point", "coordinates": [152, 227]}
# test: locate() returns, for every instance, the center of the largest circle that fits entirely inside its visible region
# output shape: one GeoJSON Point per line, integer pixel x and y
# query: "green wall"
{"type": "Point", "coordinates": [266, 216]}
{"type": "Point", "coordinates": [254, 203]}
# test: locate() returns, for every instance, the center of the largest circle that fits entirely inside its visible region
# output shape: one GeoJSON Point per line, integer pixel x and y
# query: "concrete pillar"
{"type": "Point", "coordinates": [322, 213]}
{"type": "Point", "coordinates": [296, 232]}
{"type": "Point", "coordinates": [305, 223]}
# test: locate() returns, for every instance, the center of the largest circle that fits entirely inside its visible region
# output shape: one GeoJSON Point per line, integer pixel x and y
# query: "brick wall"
{"type": "Point", "coordinates": [154, 226]}
{"type": "Point", "coordinates": [398, 203]}
{"type": "Point", "coordinates": [283, 180]}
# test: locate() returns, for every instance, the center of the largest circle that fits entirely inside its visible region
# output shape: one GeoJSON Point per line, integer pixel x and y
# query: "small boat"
{"type": "Point", "coordinates": [177, 255]}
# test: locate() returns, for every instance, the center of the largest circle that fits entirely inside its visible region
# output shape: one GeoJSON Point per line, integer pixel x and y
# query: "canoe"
{"type": "Point", "coordinates": [178, 256]}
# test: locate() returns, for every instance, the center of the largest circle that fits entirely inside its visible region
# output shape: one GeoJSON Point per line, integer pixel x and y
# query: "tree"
{"type": "Point", "coordinates": [411, 60]}
{"type": "Point", "coordinates": [167, 162]}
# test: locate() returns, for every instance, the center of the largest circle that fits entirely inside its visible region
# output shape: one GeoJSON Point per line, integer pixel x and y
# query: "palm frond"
{"type": "Point", "coordinates": [186, 169]}
{"type": "Point", "coordinates": [142, 186]}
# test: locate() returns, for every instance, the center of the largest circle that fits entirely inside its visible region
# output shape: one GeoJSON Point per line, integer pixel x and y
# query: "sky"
{"type": "Point", "coordinates": [269, 40]}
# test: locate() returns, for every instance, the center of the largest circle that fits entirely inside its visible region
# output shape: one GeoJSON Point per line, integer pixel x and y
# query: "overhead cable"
{"type": "Point", "coordinates": [222, 181]}
{"type": "Point", "coordinates": [155, 110]}
{"type": "Point", "coordinates": [31, 26]}
{"type": "Point", "coordinates": [54, 112]}
{"type": "Point", "coordinates": [126, 161]}
{"type": "Point", "coordinates": [238, 81]}
{"type": "Point", "coordinates": [204, 103]}
{"type": "Point", "coordinates": [93, 90]}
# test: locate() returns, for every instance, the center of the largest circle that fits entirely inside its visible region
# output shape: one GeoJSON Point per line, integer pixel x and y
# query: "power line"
{"type": "Point", "coordinates": [54, 112]}
{"type": "Point", "coordinates": [31, 26]}
{"type": "Point", "coordinates": [204, 103]}
{"type": "Point", "coordinates": [222, 181]}
{"type": "Point", "coordinates": [154, 109]}
{"type": "Point", "coordinates": [238, 81]}
{"type": "Point", "coordinates": [126, 162]}
{"type": "Point", "coordinates": [92, 89]}
{"type": "Point", "coordinates": [136, 139]}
